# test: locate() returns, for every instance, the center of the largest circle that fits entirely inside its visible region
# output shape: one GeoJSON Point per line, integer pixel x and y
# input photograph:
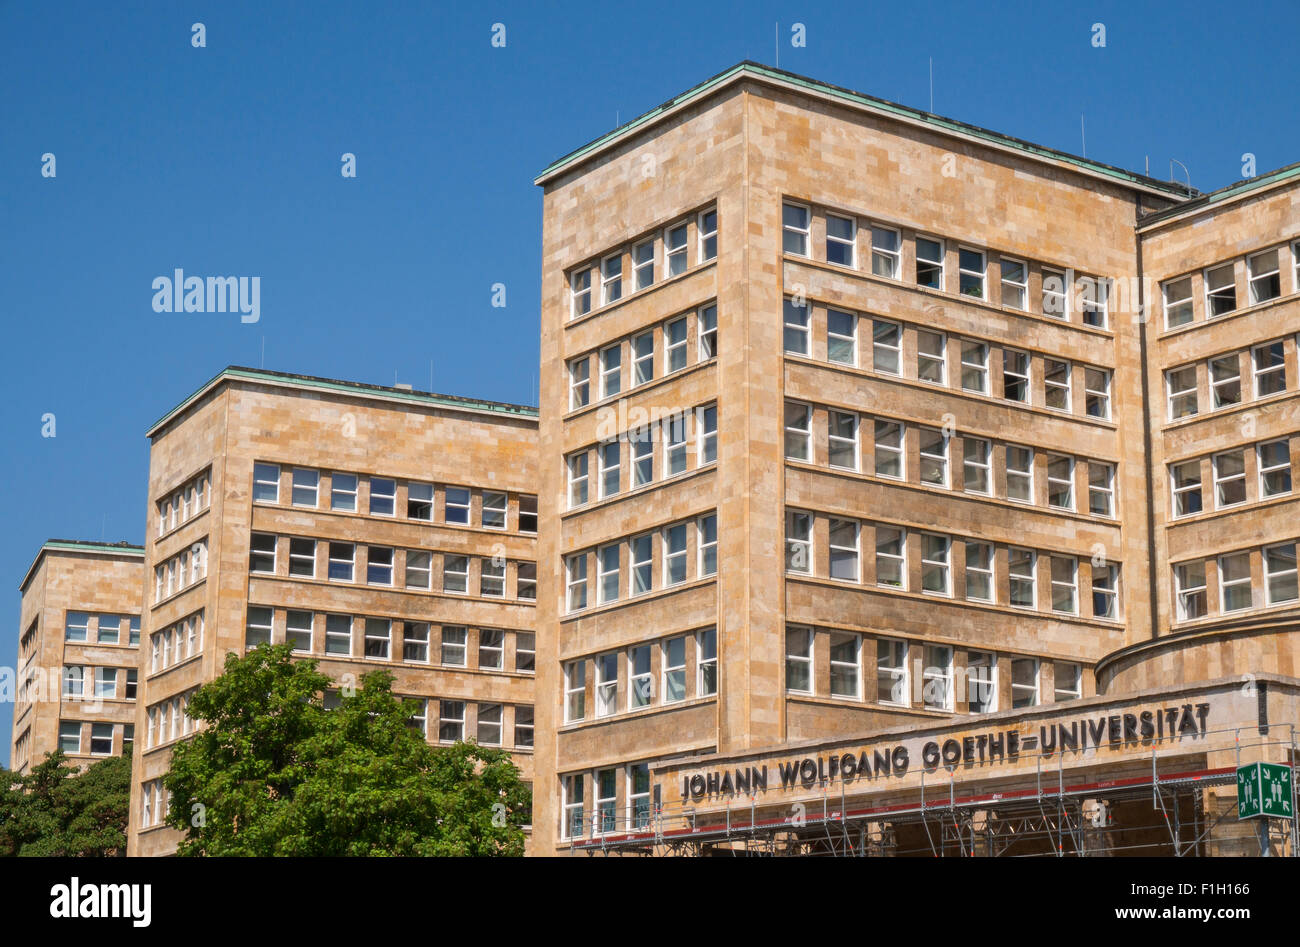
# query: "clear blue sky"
{"type": "Point", "coordinates": [225, 160]}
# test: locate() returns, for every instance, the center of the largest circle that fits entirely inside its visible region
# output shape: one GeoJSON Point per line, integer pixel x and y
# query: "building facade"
{"type": "Point", "coordinates": [852, 423]}
{"type": "Point", "coordinates": [371, 527]}
{"type": "Point", "coordinates": [78, 653]}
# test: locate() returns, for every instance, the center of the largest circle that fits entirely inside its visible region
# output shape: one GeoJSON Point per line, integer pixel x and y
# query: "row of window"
{"type": "Point", "coordinates": [947, 267]}
{"type": "Point", "coordinates": [1031, 380]}
{"type": "Point", "coordinates": [657, 256]}
{"type": "Point", "coordinates": [187, 501]}
{"type": "Point", "coordinates": [179, 642]}
{"type": "Point", "coordinates": [155, 803]}
{"type": "Point", "coordinates": [98, 742]}
{"type": "Point", "coordinates": [85, 627]}
{"type": "Point", "coordinates": [647, 673]}
{"type": "Point", "coordinates": [384, 497]}
{"type": "Point", "coordinates": [676, 439]}
{"type": "Point", "coordinates": [608, 814]}
{"type": "Point", "coordinates": [384, 639]}
{"type": "Point", "coordinates": [100, 683]}
{"type": "Point", "coordinates": [1213, 291]}
{"type": "Point", "coordinates": [626, 568]}
{"type": "Point", "coordinates": [488, 726]}
{"type": "Point", "coordinates": [629, 363]}
{"type": "Point", "coordinates": [1226, 381]}
{"type": "Point", "coordinates": [169, 720]}
{"type": "Point", "coordinates": [1243, 475]}
{"type": "Point", "coordinates": [914, 674]}
{"type": "Point", "coordinates": [927, 457]}
{"type": "Point", "coordinates": [1241, 580]}
{"type": "Point", "coordinates": [383, 566]}
{"type": "Point", "coordinates": [893, 557]}
{"type": "Point", "coordinates": [181, 571]}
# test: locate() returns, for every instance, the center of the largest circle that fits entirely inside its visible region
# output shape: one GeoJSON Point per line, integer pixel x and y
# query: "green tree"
{"type": "Point", "coordinates": [58, 809]}
{"type": "Point", "coordinates": [272, 772]}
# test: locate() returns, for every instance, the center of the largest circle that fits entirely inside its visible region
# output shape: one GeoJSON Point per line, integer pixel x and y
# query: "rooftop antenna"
{"type": "Point", "coordinates": [1175, 161]}
{"type": "Point", "coordinates": [1083, 134]}
{"type": "Point", "coordinates": [931, 85]}
{"type": "Point", "coordinates": [776, 41]}
{"type": "Point", "coordinates": [1148, 166]}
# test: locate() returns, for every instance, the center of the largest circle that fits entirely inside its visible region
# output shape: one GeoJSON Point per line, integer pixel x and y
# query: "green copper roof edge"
{"type": "Point", "coordinates": [947, 124]}
{"type": "Point", "coordinates": [345, 387]}
{"type": "Point", "coordinates": [1228, 192]}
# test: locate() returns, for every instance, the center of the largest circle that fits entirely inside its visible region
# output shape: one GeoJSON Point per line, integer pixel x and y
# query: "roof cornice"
{"type": "Point", "coordinates": [85, 547]}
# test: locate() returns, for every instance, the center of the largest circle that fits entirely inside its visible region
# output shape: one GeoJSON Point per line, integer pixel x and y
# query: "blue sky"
{"type": "Point", "coordinates": [226, 160]}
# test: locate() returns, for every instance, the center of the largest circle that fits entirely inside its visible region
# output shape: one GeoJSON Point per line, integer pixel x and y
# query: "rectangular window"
{"type": "Point", "coordinates": [74, 681]}
{"type": "Point", "coordinates": [931, 357]}
{"type": "Point", "coordinates": [798, 660]}
{"type": "Point", "coordinates": [971, 272]}
{"type": "Point", "coordinates": [455, 573]}
{"type": "Point", "coordinates": [886, 252]}
{"type": "Point", "coordinates": [979, 571]}
{"type": "Point", "coordinates": [798, 431]}
{"type": "Point", "coordinates": [891, 557]}
{"type": "Point", "coordinates": [577, 466]}
{"type": "Point", "coordinates": [1024, 682]}
{"type": "Point", "coordinates": [576, 581]}
{"type": "Point", "coordinates": [707, 538]}
{"type": "Point", "coordinates": [841, 235]}
{"type": "Point", "coordinates": [1056, 384]}
{"type": "Point", "coordinates": [341, 558]}
{"type": "Point", "coordinates": [675, 554]}
{"type": "Point", "coordinates": [1186, 484]}
{"type": "Point", "coordinates": [106, 682]}
{"type": "Point", "coordinates": [975, 465]}
{"type": "Point", "coordinates": [338, 634]}
{"type": "Point", "coordinates": [638, 796]}
{"type": "Point", "coordinates": [579, 383]}
{"type": "Point", "coordinates": [643, 358]}
{"type": "Point", "coordinates": [298, 630]}
{"type": "Point", "coordinates": [343, 492]}
{"type": "Point", "coordinates": [525, 652]}
{"type": "Point", "coordinates": [1056, 301]}
{"type": "Point", "coordinates": [934, 564]}
{"type": "Point", "coordinates": [575, 690]}
{"type": "Point", "coordinates": [606, 782]}
{"type": "Point", "coordinates": [527, 514]}
{"type": "Point", "coordinates": [302, 557]}
{"type": "Point", "coordinates": [456, 503]}
{"type": "Point", "coordinates": [981, 683]}
{"type": "Point", "coordinates": [494, 510]}
{"type": "Point", "coordinates": [383, 496]}
{"type": "Point", "coordinates": [795, 228]}
{"type": "Point", "coordinates": [842, 439]}
{"type": "Point", "coordinates": [640, 690]}
{"type": "Point", "coordinates": [934, 457]}
{"type": "Point", "coordinates": [378, 637]}
{"type": "Point", "coordinates": [419, 569]}
{"type": "Point", "coordinates": [1180, 386]}
{"type": "Point", "coordinates": [796, 317]}
{"type": "Point", "coordinates": [110, 629]}
{"type": "Point", "coordinates": [1021, 564]}
{"type": "Point", "coordinates": [70, 739]}
{"type": "Point", "coordinates": [1015, 284]}
{"type": "Point", "coordinates": [643, 264]}
{"type": "Point", "coordinates": [575, 822]}
{"type": "Point", "coordinates": [708, 330]}
{"type": "Point", "coordinates": [1280, 573]}
{"type": "Point", "coordinates": [611, 279]}
{"type": "Point", "coordinates": [841, 337]}
{"type": "Point", "coordinates": [1015, 376]}
{"type": "Point", "coordinates": [1235, 592]}
{"type": "Point", "coordinates": [674, 670]}
{"type": "Point", "coordinates": [674, 445]}
{"type": "Point", "coordinates": [1265, 280]}
{"type": "Point", "coordinates": [706, 431]}
{"type": "Point", "coordinates": [707, 233]}
{"type": "Point", "coordinates": [1225, 381]}
{"type": "Point", "coordinates": [641, 567]}
{"type": "Point", "coordinates": [1094, 301]}
{"type": "Point", "coordinates": [306, 487]}
{"type": "Point", "coordinates": [451, 721]}
{"type": "Point", "coordinates": [675, 250]}
{"type": "Point", "coordinates": [133, 637]}
{"type": "Point", "coordinates": [607, 572]}
{"type": "Point", "coordinates": [1178, 302]}
{"type": "Point", "coordinates": [798, 542]}
{"type": "Point", "coordinates": [1069, 681]}
{"type": "Point", "coordinates": [1065, 584]}
{"type": "Point", "coordinates": [1020, 473]}
{"type": "Point", "coordinates": [706, 650]}
{"type": "Point", "coordinates": [937, 690]}
{"type": "Point", "coordinates": [846, 665]}
{"type": "Point", "coordinates": [1101, 489]}
{"type": "Point", "coordinates": [606, 684]}
{"type": "Point", "coordinates": [526, 573]}
{"type": "Point", "coordinates": [454, 649]}
{"type": "Point", "coordinates": [266, 484]}
{"type": "Point", "coordinates": [886, 347]}
{"type": "Point", "coordinates": [489, 725]}
{"type": "Point", "coordinates": [1189, 584]}
{"type": "Point", "coordinates": [1269, 369]}
{"type": "Point", "coordinates": [257, 630]}
{"type": "Point", "coordinates": [929, 263]}
{"type": "Point", "coordinates": [1060, 481]}
{"type": "Point", "coordinates": [844, 550]}
{"type": "Point", "coordinates": [675, 345]}
{"type": "Point", "coordinates": [1096, 386]}
{"type": "Point", "coordinates": [643, 456]}
{"type": "Point", "coordinates": [379, 566]}
{"type": "Point", "coordinates": [1229, 478]}
{"type": "Point", "coordinates": [491, 648]}
{"type": "Point", "coordinates": [492, 577]}
{"type": "Point", "coordinates": [891, 672]}
{"type": "Point", "coordinates": [1274, 469]}
{"type": "Point", "coordinates": [132, 684]}
{"type": "Point", "coordinates": [1105, 590]}
{"type": "Point", "coordinates": [975, 367]}
{"type": "Point", "coordinates": [580, 293]}
{"type": "Point", "coordinates": [1220, 290]}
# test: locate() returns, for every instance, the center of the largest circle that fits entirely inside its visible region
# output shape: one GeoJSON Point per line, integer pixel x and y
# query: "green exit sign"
{"type": "Point", "coordinates": [1264, 789]}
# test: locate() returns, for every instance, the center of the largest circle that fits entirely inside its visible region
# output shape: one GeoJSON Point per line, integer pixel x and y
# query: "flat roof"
{"type": "Point", "coordinates": [790, 80]}
{"type": "Point", "coordinates": [1229, 193]}
{"type": "Point", "coordinates": [83, 546]}
{"type": "Point", "coordinates": [314, 383]}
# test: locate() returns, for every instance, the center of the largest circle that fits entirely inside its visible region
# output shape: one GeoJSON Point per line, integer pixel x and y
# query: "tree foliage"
{"type": "Point", "coordinates": [57, 809]}
{"type": "Point", "coordinates": [272, 772]}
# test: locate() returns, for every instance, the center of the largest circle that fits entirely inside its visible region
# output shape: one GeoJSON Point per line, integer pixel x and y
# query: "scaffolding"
{"type": "Point", "coordinates": [1173, 805]}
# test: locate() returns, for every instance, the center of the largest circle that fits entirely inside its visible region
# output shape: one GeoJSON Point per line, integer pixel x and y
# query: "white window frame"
{"type": "Point", "coordinates": [676, 349]}
{"type": "Point", "coordinates": [706, 548]}
{"type": "Point", "coordinates": [894, 669]}
{"type": "Point", "coordinates": [575, 582]}
{"type": "Point", "coordinates": [261, 471]}
{"type": "Point", "coordinates": [1215, 290]}
{"type": "Point", "coordinates": [841, 552]}
{"type": "Point", "coordinates": [800, 328]}
{"type": "Point", "coordinates": [980, 568]}
{"type": "Point", "coordinates": [1218, 401]}
{"type": "Point", "coordinates": [703, 234]}
{"type": "Point", "coordinates": [850, 242]}
{"type": "Point", "coordinates": [643, 362]}
{"type": "Point", "coordinates": [937, 675]}
{"type": "Point", "coordinates": [792, 232]}
{"type": "Point", "coordinates": [1094, 395]}
{"type": "Point", "coordinates": [881, 252]}
{"type": "Point", "coordinates": [883, 352]}
{"type": "Point", "coordinates": [1227, 585]}
{"type": "Point", "coordinates": [640, 265]}
{"type": "Point", "coordinates": [940, 458]}
{"type": "Point", "coordinates": [610, 473]}
{"type": "Point", "coordinates": [1065, 483]}
{"type": "Point", "coordinates": [979, 463]}
{"type": "Point", "coordinates": [1023, 579]}
{"type": "Point", "coordinates": [981, 682]}
{"type": "Point", "coordinates": [1186, 591]}
{"type": "Point", "coordinates": [978, 368]}
{"type": "Point", "coordinates": [1101, 486]}
{"type": "Point", "coordinates": [798, 431]}
{"type": "Point", "coordinates": [611, 370]}
{"type": "Point", "coordinates": [1064, 584]}
{"type": "Point", "coordinates": [899, 557]}
{"type": "Point", "coordinates": [1053, 298]}
{"type": "Point", "coordinates": [608, 574]}
{"type": "Point", "coordinates": [940, 564]}
{"type": "Point", "coordinates": [1177, 305]}
{"type": "Point", "coordinates": [929, 359]}
{"type": "Point", "coordinates": [1016, 288]}
{"type": "Point", "coordinates": [580, 302]}
{"type": "Point", "coordinates": [965, 274]}
{"type": "Point", "coordinates": [673, 556]}
{"type": "Point", "coordinates": [1221, 481]}
{"type": "Point", "coordinates": [851, 668]}
{"type": "Point", "coordinates": [1258, 374]}
{"type": "Point", "coordinates": [1263, 468]}
{"type": "Point", "coordinates": [839, 442]}
{"type": "Point", "coordinates": [1056, 386]}
{"type": "Point", "coordinates": [577, 465]}
{"type": "Point", "coordinates": [802, 660]}
{"type": "Point", "coordinates": [1009, 356]}
{"type": "Point", "coordinates": [929, 263]}
{"type": "Point", "coordinates": [310, 484]}
{"type": "Point", "coordinates": [611, 282]}
{"type": "Point", "coordinates": [798, 541]}
{"type": "Point", "coordinates": [640, 684]}
{"type": "Point", "coordinates": [673, 253]}
{"type": "Point", "coordinates": [1272, 574]}
{"type": "Point", "coordinates": [849, 340]}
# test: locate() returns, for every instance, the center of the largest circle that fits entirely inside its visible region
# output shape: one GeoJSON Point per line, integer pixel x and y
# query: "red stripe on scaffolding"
{"type": "Point", "coordinates": [1133, 782]}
